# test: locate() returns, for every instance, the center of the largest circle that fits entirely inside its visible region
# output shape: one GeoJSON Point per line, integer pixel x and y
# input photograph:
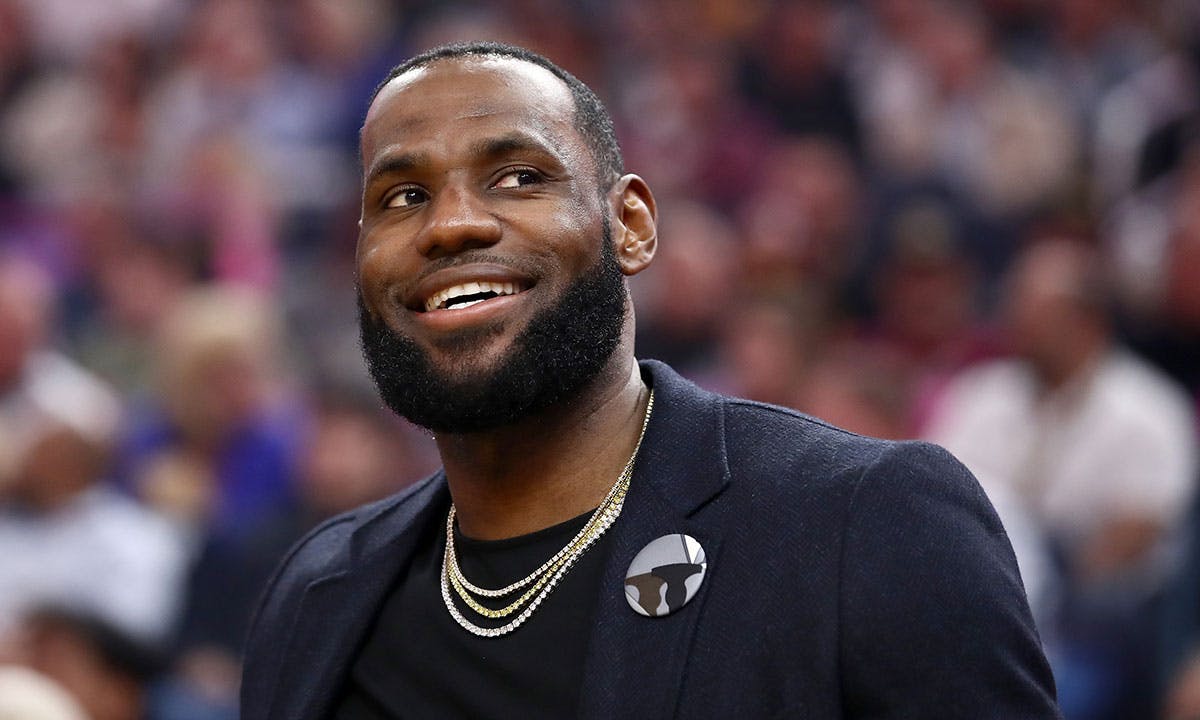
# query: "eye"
{"type": "Point", "coordinates": [406, 197]}
{"type": "Point", "coordinates": [518, 177]}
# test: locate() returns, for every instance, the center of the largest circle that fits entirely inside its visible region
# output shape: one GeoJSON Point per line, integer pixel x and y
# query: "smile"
{"type": "Point", "coordinates": [464, 295]}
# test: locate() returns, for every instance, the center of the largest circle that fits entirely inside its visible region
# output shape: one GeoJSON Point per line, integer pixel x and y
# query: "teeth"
{"type": "Point", "coordinates": [439, 299]}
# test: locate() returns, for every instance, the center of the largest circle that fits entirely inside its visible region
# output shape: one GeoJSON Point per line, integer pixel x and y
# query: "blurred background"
{"type": "Point", "coordinates": [971, 222]}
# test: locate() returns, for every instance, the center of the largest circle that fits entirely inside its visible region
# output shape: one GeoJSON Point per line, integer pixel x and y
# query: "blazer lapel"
{"type": "Point", "coordinates": [337, 609]}
{"type": "Point", "coordinates": [634, 661]}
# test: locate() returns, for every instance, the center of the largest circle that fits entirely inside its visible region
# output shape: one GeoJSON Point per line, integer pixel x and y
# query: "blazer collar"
{"type": "Point", "coordinates": [636, 664]}
{"type": "Point", "coordinates": [682, 460]}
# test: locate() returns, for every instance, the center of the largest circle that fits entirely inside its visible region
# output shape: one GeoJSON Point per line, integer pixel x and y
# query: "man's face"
{"type": "Point", "coordinates": [484, 290]}
{"type": "Point", "coordinates": [1041, 310]}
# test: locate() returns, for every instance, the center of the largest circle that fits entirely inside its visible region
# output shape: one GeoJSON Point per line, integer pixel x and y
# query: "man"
{"type": "Point", "coordinates": [822, 575]}
{"type": "Point", "coordinates": [1097, 458]}
{"type": "Point", "coordinates": [1100, 447]}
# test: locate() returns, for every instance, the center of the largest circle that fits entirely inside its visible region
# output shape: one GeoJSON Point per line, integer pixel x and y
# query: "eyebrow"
{"type": "Point", "coordinates": [488, 148]}
{"type": "Point", "coordinates": [512, 142]}
{"type": "Point", "coordinates": [393, 164]}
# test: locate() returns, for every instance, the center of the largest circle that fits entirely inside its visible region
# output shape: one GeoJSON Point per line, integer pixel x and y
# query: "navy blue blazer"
{"type": "Point", "coordinates": [847, 577]}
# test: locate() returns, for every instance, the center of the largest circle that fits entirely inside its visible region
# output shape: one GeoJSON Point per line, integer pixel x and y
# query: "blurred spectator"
{"type": "Point", "coordinates": [794, 71]}
{"type": "Point", "coordinates": [855, 389]}
{"type": "Point", "coordinates": [216, 449]}
{"type": "Point", "coordinates": [927, 294]}
{"type": "Point", "coordinates": [67, 538]}
{"type": "Point", "coordinates": [697, 249]}
{"type": "Point", "coordinates": [1088, 48]}
{"type": "Point", "coordinates": [940, 100]}
{"type": "Point", "coordinates": [65, 535]}
{"type": "Point", "coordinates": [106, 671]}
{"type": "Point", "coordinates": [1138, 120]}
{"type": "Point", "coordinates": [353, 455]}
{"type": "Point", "coordinates": [1099, 449]}
{"type": "Point", "coordinates": [769, 342]}
{"type": "Point", "coordinates": [134, 285]}
{"type": "Point", "coordinates": [1146, 171]}
{"type": "Point", "coordinates": [694, 135]}
{"type": "Point", "coordinates": [1106, 473]}
{"type": "Point", "coordinates": [209, 170]}
{"type": "Point", "coordinates": [1166, 328]}
{"type": "Point", "coordinates": [802, 225]}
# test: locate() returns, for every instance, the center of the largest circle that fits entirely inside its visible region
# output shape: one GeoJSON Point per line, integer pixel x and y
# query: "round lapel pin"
{"type": "Point", "coordinates": [665, 575]}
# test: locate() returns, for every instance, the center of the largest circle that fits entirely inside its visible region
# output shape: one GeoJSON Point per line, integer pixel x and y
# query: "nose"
{"type": "Point", "coordinates": [457, 220]}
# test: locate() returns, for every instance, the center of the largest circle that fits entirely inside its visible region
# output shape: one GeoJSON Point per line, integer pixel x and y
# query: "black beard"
{"type": "Point", "coordinates": [562, 351]}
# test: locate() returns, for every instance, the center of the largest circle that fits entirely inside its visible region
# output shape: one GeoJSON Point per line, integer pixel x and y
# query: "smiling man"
{"type": "Point", "coordinates": [605, 539]}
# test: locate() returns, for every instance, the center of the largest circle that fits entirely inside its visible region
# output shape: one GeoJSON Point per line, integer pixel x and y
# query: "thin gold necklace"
{"type": "Point", "coordinates": [542, 581]}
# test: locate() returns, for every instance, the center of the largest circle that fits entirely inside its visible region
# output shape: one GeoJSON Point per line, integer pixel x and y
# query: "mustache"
{"type": "Point", "coordinates": [520, 265]}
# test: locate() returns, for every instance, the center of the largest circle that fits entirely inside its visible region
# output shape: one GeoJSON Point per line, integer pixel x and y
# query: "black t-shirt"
{"type": "Point", "coordinates": [419, 663]}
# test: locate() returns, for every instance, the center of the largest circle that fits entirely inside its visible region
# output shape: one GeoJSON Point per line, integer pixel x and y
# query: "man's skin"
{"type": "Point", "coordinates": [474, 171]}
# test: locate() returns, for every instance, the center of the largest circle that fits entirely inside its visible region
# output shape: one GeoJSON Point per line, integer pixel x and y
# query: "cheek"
{"type": "Point", "coordinates": [571, 238]}
{"type": "Point", "coordinates": [379, 268]}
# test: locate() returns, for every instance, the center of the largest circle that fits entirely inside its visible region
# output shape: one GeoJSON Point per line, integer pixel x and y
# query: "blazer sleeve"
{"type": "Point", "coordinates": [934, 622]}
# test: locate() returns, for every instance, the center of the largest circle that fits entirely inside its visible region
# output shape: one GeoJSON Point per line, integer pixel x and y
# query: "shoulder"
{"type": "Point", "coordinates": [778, 453]}
{"type": "Point", "coordinates": [1133, 387]}
{"type": "Point", "coordinates": [786, 444]}
{"type": "Point", "coordinates": [891, 506]}
{"type": "Point", "coordinates": [1005, 382]}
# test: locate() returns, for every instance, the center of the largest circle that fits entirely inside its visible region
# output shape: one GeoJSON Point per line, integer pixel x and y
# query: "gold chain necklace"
{"type": "Point", "coordinates": [543, 580]}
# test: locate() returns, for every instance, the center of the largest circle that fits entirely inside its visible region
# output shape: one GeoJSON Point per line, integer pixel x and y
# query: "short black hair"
{"type": "Point", "coordinates": [593, 120]}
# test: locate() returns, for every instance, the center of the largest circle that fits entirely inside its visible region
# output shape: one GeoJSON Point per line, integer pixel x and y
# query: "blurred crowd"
{"type": "Point", "coordinates": [972, 222]}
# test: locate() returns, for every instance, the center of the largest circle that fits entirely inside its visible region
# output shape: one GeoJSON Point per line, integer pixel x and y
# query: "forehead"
{"type": "Point", "coordinates": [470, 94]}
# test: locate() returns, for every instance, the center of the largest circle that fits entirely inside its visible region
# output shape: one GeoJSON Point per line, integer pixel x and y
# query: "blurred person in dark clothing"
{"type": "Point", "coordinates": [794, 69]}
{"type": "Point", "coordinates": [700, 249]}
{"type": "Point", "coordinates": [927, 325]}
{"type": "Point", "coordinates": [802, 227]}
{"type": "Point", "coordinates": [351, 456]}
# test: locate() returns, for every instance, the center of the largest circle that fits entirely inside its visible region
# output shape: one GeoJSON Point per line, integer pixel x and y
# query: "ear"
{"type": "Point", "coordinates": [635, 226]}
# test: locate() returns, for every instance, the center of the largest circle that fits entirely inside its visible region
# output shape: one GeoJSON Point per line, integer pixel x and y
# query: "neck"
{"type": "Point", "coordinates": [550, 467]}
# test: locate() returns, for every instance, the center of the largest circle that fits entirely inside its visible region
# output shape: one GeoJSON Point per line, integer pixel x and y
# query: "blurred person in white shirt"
{"type": "Point", "coordinates": [1095, 450]}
